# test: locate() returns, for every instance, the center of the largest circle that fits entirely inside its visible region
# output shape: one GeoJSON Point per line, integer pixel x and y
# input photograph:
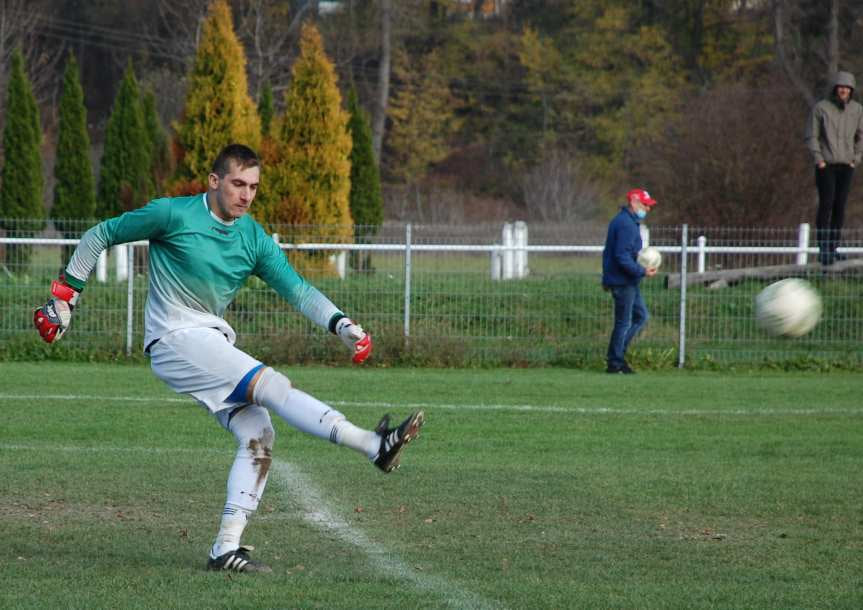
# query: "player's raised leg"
{"type": "Point", "coordinates": [383, 445]}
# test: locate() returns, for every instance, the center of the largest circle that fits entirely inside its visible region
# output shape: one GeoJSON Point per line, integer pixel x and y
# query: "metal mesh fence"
{"type": "Point", "coordinates": [433, 295]}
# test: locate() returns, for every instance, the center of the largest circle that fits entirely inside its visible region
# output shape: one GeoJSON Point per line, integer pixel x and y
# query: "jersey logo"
{"type": "Point", "coordinates": [218, 230]}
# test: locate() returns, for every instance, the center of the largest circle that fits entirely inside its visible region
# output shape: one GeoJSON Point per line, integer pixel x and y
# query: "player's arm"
{"type": "Point", "coordinates": [813, 135]}
{"type": "Point", "coordinates": [53, 319]}
{"type": "Point", "coordinates": [858, 141]}
{"type": "Point", "coordinates": [273, 267]}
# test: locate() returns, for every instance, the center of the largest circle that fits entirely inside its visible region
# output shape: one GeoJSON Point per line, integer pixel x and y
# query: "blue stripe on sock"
{"type": "Point", "coordinates": [239, 393]}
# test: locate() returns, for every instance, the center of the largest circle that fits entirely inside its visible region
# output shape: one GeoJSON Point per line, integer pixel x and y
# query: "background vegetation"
{"type": "Point", "coordinates": [486, 110]}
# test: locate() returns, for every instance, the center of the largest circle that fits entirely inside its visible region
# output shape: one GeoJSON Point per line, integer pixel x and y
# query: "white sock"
{"type": "Point", "coordinates": [304, 412]}
{"type": "Point", "coordinates": [234, 521]}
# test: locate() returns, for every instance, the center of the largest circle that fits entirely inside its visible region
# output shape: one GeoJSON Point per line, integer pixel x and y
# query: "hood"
{"type": "Point", "coordinates": [846, 79]}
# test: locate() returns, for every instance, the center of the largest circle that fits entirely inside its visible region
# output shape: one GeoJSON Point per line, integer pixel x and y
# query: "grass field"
{"type": "Point", "coordinates": [529, 488]}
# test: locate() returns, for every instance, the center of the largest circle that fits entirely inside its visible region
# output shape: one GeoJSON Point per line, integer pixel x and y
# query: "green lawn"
{"type": "Point", "coordinates": [529, 488]}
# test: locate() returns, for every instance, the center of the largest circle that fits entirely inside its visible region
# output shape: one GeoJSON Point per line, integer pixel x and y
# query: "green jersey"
{"type": "Point", "coordinates": [198, 262]}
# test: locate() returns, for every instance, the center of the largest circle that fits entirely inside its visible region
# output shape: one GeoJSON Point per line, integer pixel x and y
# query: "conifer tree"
{"type": "Point", "coordinates": [266, 109]}
{"type": "Point", "coordinates": [22, 183]}
{"type": "Point", "coordinates": [366, 203]}
{"type": "Point", "coordinates": [309, 182]}
{"type": "Point", "coordinates": [218, 109]}
{"type": "Point", "coordinates": [125, 182]}
{"type": "Point", "coordinates": [74, 184]}
{"type": "Point", "coordinates": [160, 149]}
{"type": "Point", "coordinates": [422, 117]}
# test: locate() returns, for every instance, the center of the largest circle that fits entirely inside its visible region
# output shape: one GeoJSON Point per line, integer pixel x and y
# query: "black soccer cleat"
{"type": "Point", "coordinates": [393, 440]}
{"type": "Point", "coordinates": [238, 561]}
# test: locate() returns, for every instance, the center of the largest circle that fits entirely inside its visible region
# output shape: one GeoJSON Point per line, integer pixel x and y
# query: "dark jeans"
{"type": "Point", "coordinates": [833, 184]}
{"type": "Point", "coordinates": [630, 316]}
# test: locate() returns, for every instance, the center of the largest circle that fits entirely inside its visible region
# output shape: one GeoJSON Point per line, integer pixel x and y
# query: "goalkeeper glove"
{"type": "Point", "coordinates": [355, 338]}
{"type": "Point", "coordinates": [53, 318]}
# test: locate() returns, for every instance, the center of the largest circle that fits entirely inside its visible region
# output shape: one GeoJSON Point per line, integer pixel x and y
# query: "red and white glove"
{"type": "Point", "coordinates": [357, 340]}
{"type": "Point", "coordinates": [53, 318]}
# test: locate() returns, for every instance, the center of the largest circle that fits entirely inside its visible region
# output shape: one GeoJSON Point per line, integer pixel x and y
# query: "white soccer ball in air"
{"type": "Point", "coordinates": [650, 258]}
{"type": "Point", "coordinates": [788, 308]}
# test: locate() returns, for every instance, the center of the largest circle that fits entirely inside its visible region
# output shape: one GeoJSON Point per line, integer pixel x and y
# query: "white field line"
{"type": "Point", "coordinates": [315, 510]}
{"type": "Point", "coordinates": [740, 412]}
{"type": "Point", "coordinates": [299, 489]}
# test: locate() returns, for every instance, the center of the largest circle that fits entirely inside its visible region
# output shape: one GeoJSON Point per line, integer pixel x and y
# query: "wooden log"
{"type": "Point", "coordinates": [729, 277]}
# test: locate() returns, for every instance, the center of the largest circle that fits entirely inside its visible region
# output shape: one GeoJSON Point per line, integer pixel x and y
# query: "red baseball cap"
{"type": "Point", "coordinates": [643, 196]}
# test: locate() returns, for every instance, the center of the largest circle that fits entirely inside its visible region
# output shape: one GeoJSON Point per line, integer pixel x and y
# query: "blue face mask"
{"type": "Point", "coordinates": [641, 214]}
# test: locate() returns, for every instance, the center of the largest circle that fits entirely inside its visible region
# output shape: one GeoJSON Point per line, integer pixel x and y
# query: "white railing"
{"type": "Point", "coordinates": [508, 260]}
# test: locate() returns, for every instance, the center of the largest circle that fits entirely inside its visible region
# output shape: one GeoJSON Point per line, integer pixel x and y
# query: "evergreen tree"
{"type": "Point", "coordinates": [218, 109]}
{"type": "Point", "coordinates": [160, 149]}
{"type": "Point", "coordinates": [125, 182]}
{"type": "Point", "coordinates": [422, 117]}
{"type": "Point", "coordinates": [21, 204]}
{"type": "Point", "coordinates": [74, 184]}
{"type": "Point", "coordinates": [606, 85]}
{"type": "Point", "coordinates": [266, 109]}
{"type": "Point", "coordinates": [366, 203]}
{"type": "Point", "coordinates": [309, 181]}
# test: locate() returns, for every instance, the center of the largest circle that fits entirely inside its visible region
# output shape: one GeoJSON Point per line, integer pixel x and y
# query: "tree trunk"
{"type": "Point", "coordinates": [380, 110]}
{"type": "Point", "coordinates": [778, 10]}
{"type": "Point", "coordinates": [833, 38]}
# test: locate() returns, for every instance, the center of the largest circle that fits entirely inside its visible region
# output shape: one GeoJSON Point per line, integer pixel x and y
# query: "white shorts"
{"type": "Point", "coordinates": [202, 363]}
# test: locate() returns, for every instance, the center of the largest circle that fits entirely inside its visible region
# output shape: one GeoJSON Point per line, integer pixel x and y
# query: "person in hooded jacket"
{"type": "Point", "coordinates": [834, 136]}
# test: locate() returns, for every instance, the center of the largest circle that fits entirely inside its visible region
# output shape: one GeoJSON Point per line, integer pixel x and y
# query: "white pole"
{"type": "Point", "coordinates": [130, 296]}
{"type": "Point", "coordinates": [702, 253]}
{"type": "Point", "coordinates": [496, 261]}
{"type": "Point", "coordinates": [102, 267]}
{"type": "Point", "coordinates": [681, 355]}
{"type": "Point", "coordinates": [645, 235]}
{"type": "Point", "coordinates": [507, 239]}
{"type": "Point", "coordinates": [803, 243]}
{"type": "Point", "coordinates": [121, 256]}
{"type": "Point", "coordinates": [407, 282]}
{"type": "Point", "coordinates": [342, 263]}
{"type": "Point", "coordinates": [520, 239]}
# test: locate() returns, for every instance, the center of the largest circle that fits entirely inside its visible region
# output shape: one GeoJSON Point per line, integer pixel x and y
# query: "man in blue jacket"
{"type": "Point", "coordinates": [621, 275]}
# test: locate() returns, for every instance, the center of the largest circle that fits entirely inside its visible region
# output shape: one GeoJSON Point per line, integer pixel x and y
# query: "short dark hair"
{"type": "Point", "coordinates": [240, 154]}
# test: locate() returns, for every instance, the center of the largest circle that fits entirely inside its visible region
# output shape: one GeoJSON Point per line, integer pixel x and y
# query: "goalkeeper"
{"type": "Point", "coordinates": [202, 249]}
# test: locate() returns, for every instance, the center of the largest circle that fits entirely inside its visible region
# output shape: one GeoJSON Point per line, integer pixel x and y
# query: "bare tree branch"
{"type": "Point", "coordinates": [380, 110]}
{"type": "Point", "coordinates": [21, 22]}
{"type": "Point", "coordinates": [791, 71]}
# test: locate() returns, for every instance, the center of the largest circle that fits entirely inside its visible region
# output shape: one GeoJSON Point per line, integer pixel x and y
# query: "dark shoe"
{"type": "Point", "coordinates": [237, 561]}
{"type": "Point", "coordinates": [394, 440]}
{"type": "Point", "coordinates": [826, 259]}
{"type": "Point", "coordinates": [839, 257]}
{"type": "Point", "coordinates": [623, 370]}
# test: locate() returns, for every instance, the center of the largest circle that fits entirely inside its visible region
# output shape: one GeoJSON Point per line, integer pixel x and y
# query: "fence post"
{"type": "Point", "coordinates": [407, 282]}
{"type": "Point", "coordinates": [121, 262]}
{"type": "Point", "coordinates": [339, 260]}
{"type": "Point", "coordinates": [645, 235]}
{"type": "Point", "coordinates": [702, 253]}
{"type": "Point", "coordinates": [803, 243]}
{"type": "Point", "coordinates": [681, 349]}
{"type": "Point", "coordinates": [506, 239]}
{"type": "Point", "coordinates": [130, 295]}
{"type": "Point", "coordinates": [102, 267]}
{"type": "Point", "coordinates": [496, 261]}
{"type": "Point", "coordinates": [519, 234]}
